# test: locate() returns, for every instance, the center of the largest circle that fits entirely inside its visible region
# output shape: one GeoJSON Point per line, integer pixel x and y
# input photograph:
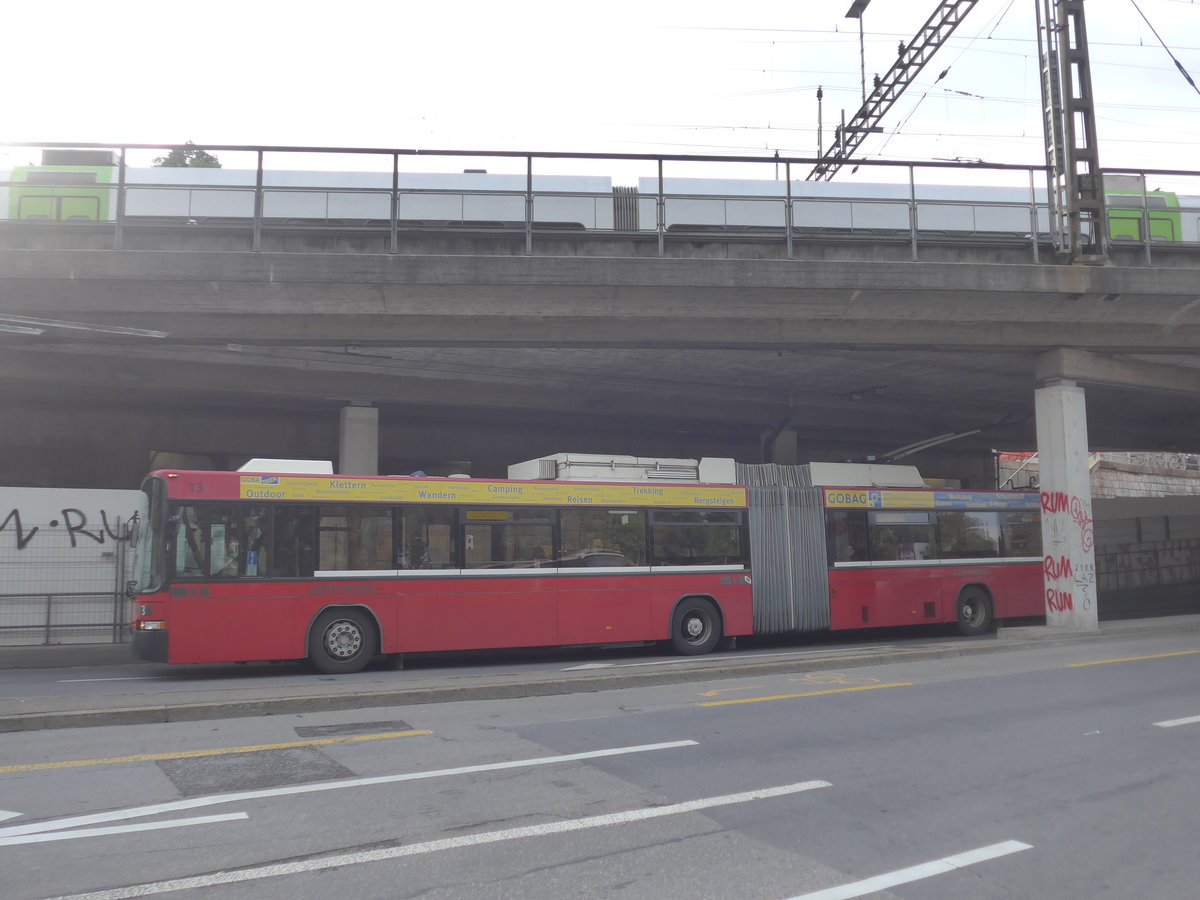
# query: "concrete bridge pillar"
{"type": "Point", "coordinates": [1067, 530]}
{"type": "Point", "coordinates": [358, 441]}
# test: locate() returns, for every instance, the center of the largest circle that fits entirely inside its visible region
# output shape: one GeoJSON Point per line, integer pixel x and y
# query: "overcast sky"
{"type": "Point", "coordinates": [633, 77]}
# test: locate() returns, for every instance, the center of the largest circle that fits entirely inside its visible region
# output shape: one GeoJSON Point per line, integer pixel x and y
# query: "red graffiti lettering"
{"type": "Point", "coordinates": [1058, 568]}
{"type": "Point", "coordinates": [1059, 601]}
{"type": "Point", "coordinates": [1059, 502]}
{"type": "Point", "coordinates": [1056, 502]}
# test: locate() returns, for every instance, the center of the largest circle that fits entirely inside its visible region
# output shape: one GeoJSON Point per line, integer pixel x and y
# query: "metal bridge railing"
{"type": "Point", "coordinates": [376, 200]}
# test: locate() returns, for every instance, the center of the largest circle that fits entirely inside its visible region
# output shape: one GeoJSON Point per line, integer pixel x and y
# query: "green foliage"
{"type": "Point", "coordinates": [189, 156]}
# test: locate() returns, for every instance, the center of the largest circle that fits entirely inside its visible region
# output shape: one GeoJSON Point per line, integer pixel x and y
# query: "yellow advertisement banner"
{"type": "Point", "coordinates": [347, 489]}
{"type": "Point", "coordinates": [873, 498]}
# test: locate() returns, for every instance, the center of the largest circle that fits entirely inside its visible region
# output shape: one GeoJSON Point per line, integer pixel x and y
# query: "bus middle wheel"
{"type": "Point", "coordinates": [341, 641]}
{"type": "Point", "coordinates": [695, 627]}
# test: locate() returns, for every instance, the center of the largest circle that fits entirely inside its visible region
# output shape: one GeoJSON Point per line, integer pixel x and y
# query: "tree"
{"type": "Point", "coordinates": [189, 156]}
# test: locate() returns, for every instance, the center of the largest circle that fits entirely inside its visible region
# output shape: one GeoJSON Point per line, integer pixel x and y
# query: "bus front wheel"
{"type": "Point", "coordinates": [695, 627]}
{"type": "Point", "coordinates": [341, 641]}
{"type": "Point", "coordinates": [974, 612]}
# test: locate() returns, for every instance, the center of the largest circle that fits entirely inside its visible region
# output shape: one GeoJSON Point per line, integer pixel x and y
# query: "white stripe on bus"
{"type": "Point", "coordinates": [529, 571]}
{"type": "Point", "coordinates": [909, 563]}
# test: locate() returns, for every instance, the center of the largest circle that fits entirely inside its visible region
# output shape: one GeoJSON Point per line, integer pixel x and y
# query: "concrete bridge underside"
{"type": "Point", "coordinates": [486, 359]}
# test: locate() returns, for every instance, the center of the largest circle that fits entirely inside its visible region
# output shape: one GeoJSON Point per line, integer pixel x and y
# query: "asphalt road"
{"type": "Point", "coordinates": [67, 687]}
{"type": "Point", "coordinates": [1051, 769]}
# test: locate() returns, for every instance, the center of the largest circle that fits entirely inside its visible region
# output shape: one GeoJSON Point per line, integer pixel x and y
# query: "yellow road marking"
{"type": "Point", "coordinates": [1101, 662]}
{"type": "Point", "coordinates": [845, 690]}
{"type": "Point", "coordinates": [188, 754]}
{"type": "Point", "coordinates": [834, 678]}
{"type": "Point", "coordinates": [749, 687]}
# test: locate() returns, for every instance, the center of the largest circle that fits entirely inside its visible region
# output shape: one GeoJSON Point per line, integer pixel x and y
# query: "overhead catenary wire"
{"type": "Point", "coordinates": [987, 35]}
{"type": "Point", "coordinates": [898, 129]}
{"type": "Point", "coordinates": [1178, 64]}
{"type": "Point", "coordinates": [757, 129]}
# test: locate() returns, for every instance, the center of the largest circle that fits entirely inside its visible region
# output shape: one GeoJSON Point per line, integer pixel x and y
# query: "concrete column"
{"type": "Point", "coordinates": [1067, 528]}
{"type": "Point", "coordinates": [358, 442]}
{"type": "Point", "coordinates": [782, 449]}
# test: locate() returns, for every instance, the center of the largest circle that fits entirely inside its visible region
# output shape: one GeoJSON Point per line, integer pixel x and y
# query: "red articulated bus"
{"type": "Point", "coordinates": [337, 569]}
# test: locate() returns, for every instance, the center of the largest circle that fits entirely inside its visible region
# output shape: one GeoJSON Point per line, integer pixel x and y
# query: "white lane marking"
{"type": "Point", "coordinates": [915, 873]}
{"type": "Point", "coordinates": [1174, 723]}
{"type": "Point", "coordinates": [254, 873]}
{"type": "Point", "coordinates": [117, 829]}
{"type": "Point", "coordinates": [8, 814]}
{"type": "Point", "coordinates": [122, 678]}
{"type": "Point", "coordinates": [721, 657]}
{"type": "Point", "coordinates": [197, 802]}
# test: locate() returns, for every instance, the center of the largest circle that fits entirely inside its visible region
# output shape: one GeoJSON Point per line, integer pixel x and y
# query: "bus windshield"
{"type": "Point", "coordinates": [150, 562]}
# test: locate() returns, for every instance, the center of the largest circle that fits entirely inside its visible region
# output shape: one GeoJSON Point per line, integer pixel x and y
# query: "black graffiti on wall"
{"type": "Point", "coordinates": [75, 521]}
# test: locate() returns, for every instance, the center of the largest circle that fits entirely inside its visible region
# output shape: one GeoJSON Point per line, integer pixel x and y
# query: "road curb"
{"type": "Point", "coordinates": [518, 687]}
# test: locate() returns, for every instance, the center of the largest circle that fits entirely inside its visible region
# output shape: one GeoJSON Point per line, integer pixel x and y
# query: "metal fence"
{"type": "Point", "coordinates": [82, 618]}
{"type": "Point", "coordinates": [525, 196]}
{"type": "Point", "coordinates": [56, 595]}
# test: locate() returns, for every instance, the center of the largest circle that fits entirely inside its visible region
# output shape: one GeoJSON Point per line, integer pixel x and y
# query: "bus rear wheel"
{"type": "Point", "coordinates": [974, 612]}
{"type": "Point", "coordinates": [341, 641]}
{"type": "Point", "coordinates": [695, 627]}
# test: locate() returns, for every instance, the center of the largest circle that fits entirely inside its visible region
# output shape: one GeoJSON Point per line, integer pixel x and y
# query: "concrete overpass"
{"type": "Point", "coordinates": [220, 340]}
{"type": "Point", "coordinates": [499, 357]}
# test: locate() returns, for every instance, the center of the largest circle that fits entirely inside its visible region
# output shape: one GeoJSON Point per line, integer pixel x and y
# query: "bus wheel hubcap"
{"type": "Point", "coordinates": [694, 626]}
{"type": "Point", "coordinates": [343, 640]}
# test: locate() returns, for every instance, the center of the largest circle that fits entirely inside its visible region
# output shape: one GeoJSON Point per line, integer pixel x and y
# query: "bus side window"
{"type": "Point", "coordinates": [427, 538]}
{"type": "Point", "coordinates": [1020, 534]}
{"type": "Point", "coordinates": [846, 535]}
{"type": "Point", "coordinates": [601, 538]}
{"type": "Point", "coordinates": [901, 535]}
{"type": "Point", "coordinates": [969, 534]}
{"type": "Point", "coordinates": [222, 542]}
{"type": "Point", "coordinates": [254, 554]}
{"type": "Point", "coordinates": [355, 538]}
{"type": "Point", "coordinates": [506, 537]}
{"type": "Point", "coordinates": [191, 551]}
{"type": "Point", "coordinates": [294, 543]}
{"type": "Point", "coordinates": [685, 537]}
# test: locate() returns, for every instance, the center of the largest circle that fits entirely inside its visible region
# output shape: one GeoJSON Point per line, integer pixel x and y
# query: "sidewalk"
{"type": "Point", "coordinates": [204, 700]}
{"type": "Point", "coordinates": [46, 656]}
